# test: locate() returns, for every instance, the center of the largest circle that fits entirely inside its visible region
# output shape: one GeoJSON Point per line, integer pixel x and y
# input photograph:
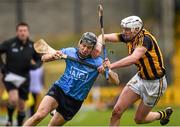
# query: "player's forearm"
{"type": "Point", "coordinates": [109, 38]}
{"type": "Point", "coordinates": [127, 61]}
{"type": "Point", "coordinates": [113, 77]}
{"type": "Point", "coordinates": [47, 58]}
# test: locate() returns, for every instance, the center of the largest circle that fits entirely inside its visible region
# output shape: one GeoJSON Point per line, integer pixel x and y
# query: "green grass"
{"type": "Point", "coordinates": [101, 118]}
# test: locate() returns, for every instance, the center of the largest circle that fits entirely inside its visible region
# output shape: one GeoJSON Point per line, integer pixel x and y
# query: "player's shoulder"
{"type": "Point", "coordinates": [121, 37]}
{"type": "Point", "coordinates": [69, 49]}
{"type": "Point", "coordinates": [99, 58]}
{"type": "Point", "coordinates": [147, 39]}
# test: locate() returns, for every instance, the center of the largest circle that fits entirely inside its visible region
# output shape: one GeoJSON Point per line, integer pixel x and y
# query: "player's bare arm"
{"type": "Point", "coordinates": [112, 37]}
{"type": "Point", "coordinates": [51, 56]}
{"type": "Point", "coordinates": [107, 37]}
{"type": "Point", "coordinates": [113, 77]}
{"type": "Point", "coordinates": [97, 50]}
{"type": "Point", "coordinates": [129, 60]}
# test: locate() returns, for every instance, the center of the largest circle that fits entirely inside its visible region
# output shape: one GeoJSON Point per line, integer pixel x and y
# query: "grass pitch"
{"type": "Point", "coordinates": [101, 118]}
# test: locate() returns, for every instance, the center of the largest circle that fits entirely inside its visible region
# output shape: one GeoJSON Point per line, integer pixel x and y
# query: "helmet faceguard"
{"type": "Point", "coordinates": [133, 24]}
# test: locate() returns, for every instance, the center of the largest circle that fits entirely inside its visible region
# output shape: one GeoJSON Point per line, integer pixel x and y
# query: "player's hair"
{"type": "Point", "coordinates": [22, 24]}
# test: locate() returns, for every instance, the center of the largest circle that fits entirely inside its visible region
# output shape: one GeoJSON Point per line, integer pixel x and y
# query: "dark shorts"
{"type": "Point", "coordinates": [68, 106]}
{"type": "Point", "coordinates": [23, 90]}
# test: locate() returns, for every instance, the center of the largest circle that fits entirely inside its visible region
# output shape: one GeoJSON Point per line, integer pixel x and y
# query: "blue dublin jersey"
{"type": "Point", "coordinates": [78, 79]}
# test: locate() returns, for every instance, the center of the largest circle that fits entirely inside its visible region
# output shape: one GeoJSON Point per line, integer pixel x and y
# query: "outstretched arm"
{"type": "Point", "coordinates": [52, 56]}
{"type": "Point", "coordinates": [129, 60]}
{"type": "Point", "coordinates": [113, 37]}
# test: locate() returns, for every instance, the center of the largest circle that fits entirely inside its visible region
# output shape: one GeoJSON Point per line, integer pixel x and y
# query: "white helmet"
{"type": "Point", "coordinates": [132, 22]}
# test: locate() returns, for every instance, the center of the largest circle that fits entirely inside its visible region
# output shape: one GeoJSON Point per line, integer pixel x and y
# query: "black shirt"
{"type": "Point", "coordinates": [18, 56]}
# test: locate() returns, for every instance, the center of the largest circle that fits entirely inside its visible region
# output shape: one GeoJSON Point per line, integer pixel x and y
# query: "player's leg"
{"type": "Point", "coordinates": [150, 97]}
{"type": "Point", "coordinates": [165, 115]}
{"type": "Point", "coordinates": [57, 120]}
{"type": "Point", "coordinates": [47, 105]}
{"type": "Point", "coordinates": [67, 108]}
{"type": "Point", "coordinates": [126, 99]}
{"type": "Point", "coordinates": [144, 114]}
{"type": "Point", "coordinates": [128, 96]}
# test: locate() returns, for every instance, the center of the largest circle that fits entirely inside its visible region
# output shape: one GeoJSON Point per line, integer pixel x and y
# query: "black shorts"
{"type": "Point", "coordinates": [23, 90]}
{"type": "Point", "coordinates": [67, 106]}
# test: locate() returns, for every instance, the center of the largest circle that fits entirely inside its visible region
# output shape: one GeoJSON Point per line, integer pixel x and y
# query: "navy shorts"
{"type": "Point", "coordinates": [23, 90]}
{"type": "Point", "coordinates": [67, 106]}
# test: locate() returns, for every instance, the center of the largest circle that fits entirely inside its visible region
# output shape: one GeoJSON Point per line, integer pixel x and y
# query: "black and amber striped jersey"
{"type": "Point", "coordinates": [150, 65]}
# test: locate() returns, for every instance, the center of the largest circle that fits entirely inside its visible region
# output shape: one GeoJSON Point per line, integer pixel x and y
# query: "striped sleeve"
{"type": "Point", "coordinates": [120, 37]}
{"type": "Point", "coordinates": [147, 43]}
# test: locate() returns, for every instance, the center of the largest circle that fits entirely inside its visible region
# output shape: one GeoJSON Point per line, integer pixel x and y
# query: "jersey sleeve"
{"type": "Point", "coordinates": [120, 37]}
{"type": "Point", "coordinates": [98, 61]}
{"type": "Point", "coordinates": [147, 43]}
{"type": "Point", "coordinates": [64, 50]}
{"type": "Point", "coordinates": [68, 51]}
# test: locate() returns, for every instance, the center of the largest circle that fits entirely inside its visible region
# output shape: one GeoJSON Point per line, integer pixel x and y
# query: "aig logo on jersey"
{"type": "Point", "coordinates": [78, 74]}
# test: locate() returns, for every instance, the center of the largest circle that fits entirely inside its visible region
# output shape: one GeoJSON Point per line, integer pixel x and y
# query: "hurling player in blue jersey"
{"type": "Point", "coordinates": [68, 93]}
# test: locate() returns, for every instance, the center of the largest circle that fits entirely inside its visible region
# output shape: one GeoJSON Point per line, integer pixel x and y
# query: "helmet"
{"type": "Point", "coordinates": [132, 22]}
{"type": "Point", "coordinates": [89, 38]}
